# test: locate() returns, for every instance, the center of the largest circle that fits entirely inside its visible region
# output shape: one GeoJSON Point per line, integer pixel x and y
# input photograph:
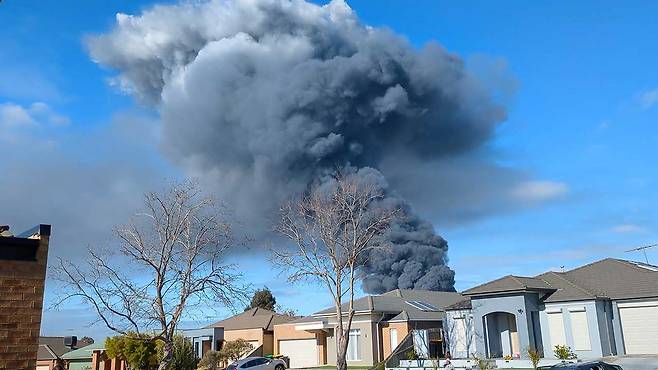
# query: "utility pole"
{"type": "Point", "coordinates": [643, 249]}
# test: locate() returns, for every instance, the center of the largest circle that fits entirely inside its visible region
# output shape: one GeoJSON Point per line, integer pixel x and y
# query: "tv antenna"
{"type": "Point", "coordinates": [643, 249]}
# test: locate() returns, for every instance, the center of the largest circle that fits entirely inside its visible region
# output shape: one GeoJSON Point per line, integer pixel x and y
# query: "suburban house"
{"type": "Point", "coordinates": [92, 357]}
{"type": "Point", "coordinates": [23, 260]}
{"type": "Point", "coordinates": [255, 325]}
{"type": "Point", "coordinates": [609, 307]}
{"type": "Point", "coordinates": [380, 323]}
{"type": "Point", "coordinates": [52, 349]}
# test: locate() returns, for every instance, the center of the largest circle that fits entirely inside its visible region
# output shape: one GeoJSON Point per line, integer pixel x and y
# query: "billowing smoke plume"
{"type": "Point", "coordinates": [261, 98]}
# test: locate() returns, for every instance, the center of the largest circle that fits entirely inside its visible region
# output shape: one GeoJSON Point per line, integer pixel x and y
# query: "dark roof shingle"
{"type": "Point", "coordinates": [255, 318]}
{"type": "Point", "coordinates": [608, 278]}
{"type": "Point", "coordinates": [395, 302]}
{"type": "Point", "coordinates": [510, 283]}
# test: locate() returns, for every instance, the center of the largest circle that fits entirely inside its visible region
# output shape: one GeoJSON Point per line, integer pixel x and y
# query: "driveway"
{"type": "Point", "coordinates": [631, 362]}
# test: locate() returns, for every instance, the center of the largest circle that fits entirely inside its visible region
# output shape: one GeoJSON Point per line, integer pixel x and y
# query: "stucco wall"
{"type": "Point", "coordinates": [249, 335]}
{"type": "Point", "coordinates": [514, 304]}
{"type": "Point", "coordinates": [288, 332]}
{"type": "Point", "coordinates": [616, 329]}
{"type": "Point", "coordinates": [467, 337]}
{"type": "Point", "coordinates": [365, 344]}
{"type": "Point", "coordinates": [402, 329]}
{"type": "Point", "coordinates": [606, 332]}
{"type": "Point", "coordinates": [593, 314]}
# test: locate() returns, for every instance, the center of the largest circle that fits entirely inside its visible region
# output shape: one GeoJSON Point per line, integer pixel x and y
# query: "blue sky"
{"type": "Point", "coordinates": [582, 101]}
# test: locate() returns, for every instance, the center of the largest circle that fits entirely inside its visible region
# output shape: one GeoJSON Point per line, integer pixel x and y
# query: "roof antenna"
{"type": "Point", "coordinates": [643, 249]}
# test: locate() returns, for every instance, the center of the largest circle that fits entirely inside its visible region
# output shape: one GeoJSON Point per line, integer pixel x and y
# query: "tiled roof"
{"type": "Point", "coordinates": [45, 353]}
{"type": "Point", "coordinates": [464, 304]}
{"type": "Point", "coordinates": [395, 303]}
{"type": "Point", "coordinates": [608, 278]}
{"type": "Point", "coordinates": [255, 318]}
{"type": "Point", "coordinates": [84, 352]}
{"type": "Point", "coordinates": [54, 345]}
{"type": "Point", "coordinates": [510, 283]}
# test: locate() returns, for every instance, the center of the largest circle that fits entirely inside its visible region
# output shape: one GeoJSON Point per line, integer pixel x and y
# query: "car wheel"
{"type": "Point", "coordinates": [280, 367]}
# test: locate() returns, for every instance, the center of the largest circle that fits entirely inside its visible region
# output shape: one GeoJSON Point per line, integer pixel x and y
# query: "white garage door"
{"type": "Point", "coordinates": [639, 324]}
{"type": "Point", "coordinates": [302, 352]}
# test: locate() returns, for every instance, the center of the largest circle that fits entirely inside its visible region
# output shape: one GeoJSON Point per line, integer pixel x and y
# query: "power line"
{"type": "Point", "coordinates": [643, 249]}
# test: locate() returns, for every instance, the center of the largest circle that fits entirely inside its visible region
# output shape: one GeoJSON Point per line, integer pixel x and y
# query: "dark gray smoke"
{"type": "Point", "coordinates": [263, 97]}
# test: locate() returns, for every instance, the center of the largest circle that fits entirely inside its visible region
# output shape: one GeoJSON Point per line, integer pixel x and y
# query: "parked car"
{"type": "Point", "coordinates": [594, 365]}
{"type": "Point", "coordinates": [258, 363]}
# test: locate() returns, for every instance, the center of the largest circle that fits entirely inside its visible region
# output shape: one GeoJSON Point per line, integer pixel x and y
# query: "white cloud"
{"type": "Point", "coordinates": [539, 190]}
{"type": "Point", "coordinates": [43, 113]}
{"type": "Point", "coordinates": [37, 114]}
{"type": "Point", "coordinates": [648, 99]}
{"type": "Point", "coordinates": [627, 229]}
{"type": "Point", "coordinates": [13, 115]}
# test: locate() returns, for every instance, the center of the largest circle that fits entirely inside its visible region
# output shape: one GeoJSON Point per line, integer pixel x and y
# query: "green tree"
{"type": "Point", "coordinates": [183, 357]}
{"type": "Point", "coordinates": [235, 349]}
{"type": "Point", "coordinates": [262, 298]}
{"type": "Point", "coordinates": [138, 350]}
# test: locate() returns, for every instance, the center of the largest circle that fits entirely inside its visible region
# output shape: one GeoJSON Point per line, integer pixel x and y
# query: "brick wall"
{"type": "Point", "coordinates": [21, 302]}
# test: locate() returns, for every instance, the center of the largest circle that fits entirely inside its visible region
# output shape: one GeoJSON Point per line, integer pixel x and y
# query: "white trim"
{"type": "Point", "coordinates": [317, 325]}
{"type": "Point", "coordinates": [577, 309]}
{"type": "Point", "coordinates": [411, 320]}
{"type": "Point", "coordinates": [637, 304]}
{"type": "Point", "coordinates": [554, 310]}
{"type": "Point", "coordinates": [333, 314]}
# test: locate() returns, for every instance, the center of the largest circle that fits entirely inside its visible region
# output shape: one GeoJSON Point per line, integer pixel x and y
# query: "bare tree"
{"type": "Point", "coordinates": [169, 258]}
{"type": "Point", "coordinates": [333, 229]}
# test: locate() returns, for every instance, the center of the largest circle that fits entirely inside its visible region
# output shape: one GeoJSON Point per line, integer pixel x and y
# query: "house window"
{"type": "Point", "coordinates": [353, 347]}
{"type": "Point", "coordinates": [394, 338]}
{"type": "Point", "coordinates": [556, 328]}
{"type": "Point", "coordinates": [580, 331]}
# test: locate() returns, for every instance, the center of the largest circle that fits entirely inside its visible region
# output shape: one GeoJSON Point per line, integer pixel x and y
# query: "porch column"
{"type": "Point", "coordinates": [95, 360]}
{"type": "Point", "coordinates": [522, 319]}
{"type": "Point", "coordinates": [321, 342]}
{"type": "Point", "coordinates": [115, 364]}
{"type": "Point", "coordinates": [107, 364]}
{"type": "Point", "coordinates": [480, 335]}
{"type": "Point", "coordinates": [616, 330]}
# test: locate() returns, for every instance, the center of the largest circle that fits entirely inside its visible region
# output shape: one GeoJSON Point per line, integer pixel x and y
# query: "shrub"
{"type": "Point", "coordinates": [411, 355]}
{"type": "Point", "coordinates": [211, 360]}
{"type": "Point", "coordinates": [234, 350]}
{"type": "Point", "coordinates": [564, 352]}
{"type": "Point", "coordinates": [482, 363]}
{"type": "Point", "coordinates": [534, 357]}
{"type": "Point", "coordinates": [183, 357]}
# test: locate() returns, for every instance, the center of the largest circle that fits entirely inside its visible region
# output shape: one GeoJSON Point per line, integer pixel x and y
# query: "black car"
{"type": "Point", "coordinates": [593, 365]}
